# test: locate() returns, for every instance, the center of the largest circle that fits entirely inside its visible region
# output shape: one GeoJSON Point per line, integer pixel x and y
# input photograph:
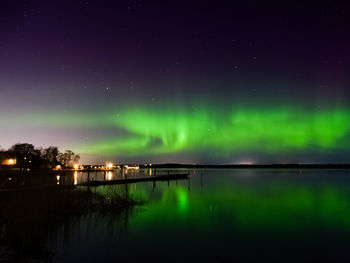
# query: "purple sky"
{"type": "Point", "coordinates": [89, 56]}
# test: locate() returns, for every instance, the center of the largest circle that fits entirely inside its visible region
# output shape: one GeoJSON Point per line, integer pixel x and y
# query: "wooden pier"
{"type": "Point", "coordinates": [164, 177]}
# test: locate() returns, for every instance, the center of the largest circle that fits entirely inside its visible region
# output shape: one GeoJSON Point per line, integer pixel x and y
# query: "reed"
{"type": "Point", "coordinates": [27, 217]}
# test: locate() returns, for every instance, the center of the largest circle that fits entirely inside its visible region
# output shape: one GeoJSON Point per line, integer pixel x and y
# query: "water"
{"type": "Point", "coordinates": [242, 215]}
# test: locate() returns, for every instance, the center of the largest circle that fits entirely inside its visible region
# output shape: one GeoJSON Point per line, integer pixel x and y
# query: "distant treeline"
{"type": "Point", "coordinates": [25, 156]}
{"type": "Point", "coordinates": [242, 166]}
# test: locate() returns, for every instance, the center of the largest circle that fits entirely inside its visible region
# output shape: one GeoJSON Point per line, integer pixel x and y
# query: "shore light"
{"type": "Point", "coordinates": [76, 166]}
{"type": "Point", "coordinates": [10, 161]}
{"type": "Point", "coordinates": [58, 179]}
{"type": "Point", "coordinates": [109, 165]}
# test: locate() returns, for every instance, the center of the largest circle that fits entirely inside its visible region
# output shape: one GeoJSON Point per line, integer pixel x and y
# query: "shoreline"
{"type": "Point", "coordinates": [249, 166]}
{"type": "Point", "coordinates": [9, 172]}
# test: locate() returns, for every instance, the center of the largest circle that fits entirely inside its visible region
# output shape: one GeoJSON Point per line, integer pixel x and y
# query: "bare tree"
{"type": "Point", "coordinates": [68, 158]}
{"type": "Point", "coordinates": [50, 155]}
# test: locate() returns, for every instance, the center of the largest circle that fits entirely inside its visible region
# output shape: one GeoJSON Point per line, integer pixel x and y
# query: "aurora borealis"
{"type": "Point", "coordinates": [165, 131]}
{"type": "Point", "coordinates": [215, 82]}
{"type": "Point", "coordinates": [221, 133]}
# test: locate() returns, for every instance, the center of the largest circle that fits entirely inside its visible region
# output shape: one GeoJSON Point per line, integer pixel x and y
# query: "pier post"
{"type": "Point", "coordinates": [88, 179]}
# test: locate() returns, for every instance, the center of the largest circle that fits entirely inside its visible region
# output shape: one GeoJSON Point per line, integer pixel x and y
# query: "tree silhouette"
{"type": "Point", "coordinates": [49, 155]}
{"type": "Point", "coordinates": [68, 158]}
{"type": "Point", "coordinates": [26, 155]}
{"type": "Point", "coordinates": [29, 157]}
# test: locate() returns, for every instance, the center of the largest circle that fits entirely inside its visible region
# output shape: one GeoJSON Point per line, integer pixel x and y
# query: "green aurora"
{"type": "Point", "coordinates": [272, 130]}
{"type": "Point", "coordinates": [218, 131]}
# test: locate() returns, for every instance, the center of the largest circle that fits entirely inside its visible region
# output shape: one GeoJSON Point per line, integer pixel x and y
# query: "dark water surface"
{"type": "Point", "coordinates": [226, 215]}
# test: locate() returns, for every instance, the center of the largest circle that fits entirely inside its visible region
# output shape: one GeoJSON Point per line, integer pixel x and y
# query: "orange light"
{"type": "Point", "coordinates": [10, 161]}
{"type": "Point", "coordinates": [75, 178]}
{"type": "Point", "coordinates": [109, 176]}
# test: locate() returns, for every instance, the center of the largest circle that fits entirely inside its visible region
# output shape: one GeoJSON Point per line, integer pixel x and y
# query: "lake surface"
{"type": "Point", "coordinates": [223, 215]}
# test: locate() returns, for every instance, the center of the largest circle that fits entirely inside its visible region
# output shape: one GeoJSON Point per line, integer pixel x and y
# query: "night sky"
{"type": "Point", "coordinates": [178, 81]}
